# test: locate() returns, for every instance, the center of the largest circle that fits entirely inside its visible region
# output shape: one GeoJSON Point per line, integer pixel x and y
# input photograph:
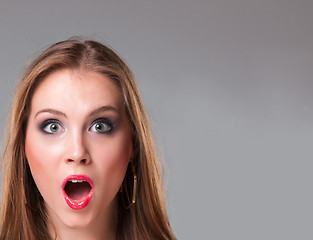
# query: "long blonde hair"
{"type": "Point", "coordinates": [23, 214]}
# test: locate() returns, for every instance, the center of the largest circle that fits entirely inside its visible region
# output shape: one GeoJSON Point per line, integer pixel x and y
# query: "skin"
{"type": "Point", "coordinates": [76, 98]}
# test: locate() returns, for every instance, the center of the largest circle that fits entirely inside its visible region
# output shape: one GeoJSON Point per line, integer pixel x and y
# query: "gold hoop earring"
{"type": "Point", "coordinates": [124, 189]}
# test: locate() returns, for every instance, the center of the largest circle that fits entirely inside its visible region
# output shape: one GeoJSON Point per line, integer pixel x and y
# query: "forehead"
{"type": "Point", "coordinates": [76, 88]}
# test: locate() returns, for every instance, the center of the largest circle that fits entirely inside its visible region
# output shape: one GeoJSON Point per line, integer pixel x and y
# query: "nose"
{"type": "Point", "coordinates": [77, 150]}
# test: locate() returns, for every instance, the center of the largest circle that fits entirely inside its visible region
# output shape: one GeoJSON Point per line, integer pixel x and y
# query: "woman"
{"type": "Point", "coordinates": [79, 162]}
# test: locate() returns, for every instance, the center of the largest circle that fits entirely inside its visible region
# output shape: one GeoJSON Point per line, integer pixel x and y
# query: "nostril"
{"type": "Point", "coordinates": [78, 161]}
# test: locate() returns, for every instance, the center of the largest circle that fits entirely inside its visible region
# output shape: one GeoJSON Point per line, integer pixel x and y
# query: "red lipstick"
{"type": "Point", "coordinates": [77, 191]}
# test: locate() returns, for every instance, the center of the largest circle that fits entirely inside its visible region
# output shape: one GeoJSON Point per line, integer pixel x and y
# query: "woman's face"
{"type": "Point", "coordinates": [78, 145]}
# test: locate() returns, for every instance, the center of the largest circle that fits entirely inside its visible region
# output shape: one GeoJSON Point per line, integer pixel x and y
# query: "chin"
{"type": "Point", "coordinates": [65, 217]}
{"type": "Point", "coordinates": [87, 218]}
{"type": "Point", "coordinates": [78, 219]}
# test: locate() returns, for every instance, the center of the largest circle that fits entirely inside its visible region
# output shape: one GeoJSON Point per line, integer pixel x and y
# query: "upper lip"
{"type": "Point", "coordinates": [77, 177]}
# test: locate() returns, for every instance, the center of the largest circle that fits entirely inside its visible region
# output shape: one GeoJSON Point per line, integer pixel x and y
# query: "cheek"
{"type": "Point", "coordinates": [112, 155]}
{"type": "Point", "coordinates": [112, 159]}
{"type": "Point", "coordinates": [40, 159]}
{"type": "Point", "coordinates": [33, 153]}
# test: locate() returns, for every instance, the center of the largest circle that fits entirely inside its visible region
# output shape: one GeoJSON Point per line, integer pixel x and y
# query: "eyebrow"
{"type": "Point", "coordinates": [52, 111]}
{"type": "Point", "coordinates": [94, 112]}
{"type": "Point", "coordinates": [102, 109]}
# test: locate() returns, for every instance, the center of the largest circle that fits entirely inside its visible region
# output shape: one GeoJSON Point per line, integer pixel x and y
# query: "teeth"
{"type": "Point", "coordinates": [77, 181]}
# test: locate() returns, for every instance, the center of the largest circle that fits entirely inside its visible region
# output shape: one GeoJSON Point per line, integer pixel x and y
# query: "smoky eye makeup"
{"type": "Point", "coordinates": [103, 126]}
{"type": "Point", "coordinates": [51, 126]}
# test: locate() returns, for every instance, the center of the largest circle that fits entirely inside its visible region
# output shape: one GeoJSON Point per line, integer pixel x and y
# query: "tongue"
{"type": "Point", "coordinates": [77, 191]}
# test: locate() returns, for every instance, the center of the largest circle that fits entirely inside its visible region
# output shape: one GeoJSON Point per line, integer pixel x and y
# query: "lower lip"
{"type": "Point", "coordinates": [82, 203]}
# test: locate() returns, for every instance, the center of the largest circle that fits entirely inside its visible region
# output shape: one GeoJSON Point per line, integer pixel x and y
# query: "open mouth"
{"type": "Point", "coordinates": [77, 191]}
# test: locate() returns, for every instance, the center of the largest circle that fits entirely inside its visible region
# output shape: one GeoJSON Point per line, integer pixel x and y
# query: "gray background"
{"type": "Point", "coordinates": [228, 87]}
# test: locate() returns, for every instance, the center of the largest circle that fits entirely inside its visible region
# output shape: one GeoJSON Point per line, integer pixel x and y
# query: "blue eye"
{"type": "Point", "coordinates": [51, 126]}
{"type": "Point", "coordinates": [102, 126]}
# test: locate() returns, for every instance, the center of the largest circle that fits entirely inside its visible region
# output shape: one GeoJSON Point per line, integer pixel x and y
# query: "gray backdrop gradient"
{"type": "Point", "coordinates": [228, 86]}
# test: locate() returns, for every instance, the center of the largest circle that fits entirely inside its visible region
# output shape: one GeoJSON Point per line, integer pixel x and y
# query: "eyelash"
{"type": "Point", "coordinates": [110, 125]}
{"type": "Point", "coordinates": [48, 122]}
{"type": "Point", "coordinates": [107, 122]}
